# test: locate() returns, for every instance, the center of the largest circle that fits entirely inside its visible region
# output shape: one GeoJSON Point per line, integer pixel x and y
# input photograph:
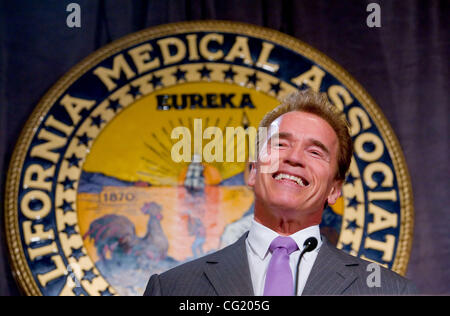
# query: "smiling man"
{"type": "Point", "coordinates": [301, 167]}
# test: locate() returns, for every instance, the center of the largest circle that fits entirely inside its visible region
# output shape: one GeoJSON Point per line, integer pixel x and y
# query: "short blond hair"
{"type": "Point", "coordinates": [317, 103]}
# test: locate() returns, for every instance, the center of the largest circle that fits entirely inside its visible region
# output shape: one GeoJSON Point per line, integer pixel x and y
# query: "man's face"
{"type": "Point", "coordinates": [306, 157]}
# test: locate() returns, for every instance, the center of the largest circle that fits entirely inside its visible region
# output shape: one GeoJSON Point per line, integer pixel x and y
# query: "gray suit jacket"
{"type": "Point", "coordinates": [226, 272]}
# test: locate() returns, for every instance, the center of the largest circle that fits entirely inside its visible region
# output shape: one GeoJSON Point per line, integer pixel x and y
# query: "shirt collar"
{"type": "Point", "coordinates": [261, 236]}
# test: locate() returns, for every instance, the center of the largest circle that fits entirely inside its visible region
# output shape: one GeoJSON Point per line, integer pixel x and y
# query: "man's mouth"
{"type": "Point", "coordinates": [284, 176]}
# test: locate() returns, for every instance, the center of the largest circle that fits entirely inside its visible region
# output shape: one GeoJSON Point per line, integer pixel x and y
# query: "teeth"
{"type": "Point", "coordinates": [290, 177]}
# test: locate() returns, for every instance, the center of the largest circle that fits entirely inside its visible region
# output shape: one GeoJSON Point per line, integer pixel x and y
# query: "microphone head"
{"type": "Point", "coordinates": [310, 244]}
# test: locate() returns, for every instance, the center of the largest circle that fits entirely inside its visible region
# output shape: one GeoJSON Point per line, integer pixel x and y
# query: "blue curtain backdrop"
{"type": "Point", "coordinates": [403, 65]}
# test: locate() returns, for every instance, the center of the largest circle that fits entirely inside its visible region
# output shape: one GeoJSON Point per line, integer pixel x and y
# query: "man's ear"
{"type": "Point", "coordinates": [335, 192]}
{"type": "Point", "coordinates": [252, 174]}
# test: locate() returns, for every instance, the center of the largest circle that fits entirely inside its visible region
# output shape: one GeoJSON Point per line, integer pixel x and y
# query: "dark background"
{"type": "Point", "coordinates": [403, 65]}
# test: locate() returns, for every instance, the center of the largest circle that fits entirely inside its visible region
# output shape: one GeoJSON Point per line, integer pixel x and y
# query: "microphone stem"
{"type": "Point", "coordinates": [298, 271]}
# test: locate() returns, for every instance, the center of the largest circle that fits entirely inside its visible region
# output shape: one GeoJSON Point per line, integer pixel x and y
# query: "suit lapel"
{"type": "Point", "coordinates": [330, 274]}
{"type": "Point", "coordinates": [229, 274]}
{"type": "Point", "coordinates": [228, 270]}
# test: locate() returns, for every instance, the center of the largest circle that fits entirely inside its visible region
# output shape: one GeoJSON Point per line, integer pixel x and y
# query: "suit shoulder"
{"type": "Point", "coordinates": [388, 278]}
{"type": "Point", "coordinates": [194, 267]}
{"type": "Point", "coordinates": [187, 267]}
{"type": "Point", "coordinates": [190, 277]}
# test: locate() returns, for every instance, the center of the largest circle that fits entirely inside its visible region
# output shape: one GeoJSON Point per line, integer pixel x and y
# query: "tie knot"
{"type": "Point", "coordinates": [284, 242]}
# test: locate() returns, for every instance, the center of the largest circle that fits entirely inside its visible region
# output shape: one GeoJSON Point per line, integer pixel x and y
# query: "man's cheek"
{"type": "Point", "coordinates": [270, 163]}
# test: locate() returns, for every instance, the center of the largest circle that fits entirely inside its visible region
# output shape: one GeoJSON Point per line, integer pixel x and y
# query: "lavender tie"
{"type": "Point", "coordinates": [279, 279]}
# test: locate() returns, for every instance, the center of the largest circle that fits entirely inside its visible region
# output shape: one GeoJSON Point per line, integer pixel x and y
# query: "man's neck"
{"type": "Point", "coordinates": [286, 223]}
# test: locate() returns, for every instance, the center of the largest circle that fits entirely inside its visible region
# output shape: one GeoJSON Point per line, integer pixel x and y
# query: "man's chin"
{"type": "Point", "coordinates": [286, 206]}
{"type": "Point", "coordinates": [290, 204]}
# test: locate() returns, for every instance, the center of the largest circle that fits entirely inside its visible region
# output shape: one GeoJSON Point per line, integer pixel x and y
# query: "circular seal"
{"type": "Point", "coordinates": [135, 161]}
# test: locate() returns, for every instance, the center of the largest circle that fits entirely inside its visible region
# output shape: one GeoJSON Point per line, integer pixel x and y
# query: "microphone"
{"type": "Point", "coordinates": [310, 244]}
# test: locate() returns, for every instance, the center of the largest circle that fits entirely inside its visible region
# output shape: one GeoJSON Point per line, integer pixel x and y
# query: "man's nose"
{"type": "Point", "coordinates": [295, 157]}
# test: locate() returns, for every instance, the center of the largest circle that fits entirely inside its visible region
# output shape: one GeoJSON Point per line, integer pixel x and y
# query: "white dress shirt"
{"type": "Point", "coordinates": [258, 241]}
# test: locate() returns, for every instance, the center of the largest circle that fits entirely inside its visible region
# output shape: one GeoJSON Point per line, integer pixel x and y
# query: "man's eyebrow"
{"type": "Point", "coordinates": [319, 144]}
{"type": "Point", "coordinates": [281, 135]}
{"type": "Point", "coordinates": [315, 142]}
